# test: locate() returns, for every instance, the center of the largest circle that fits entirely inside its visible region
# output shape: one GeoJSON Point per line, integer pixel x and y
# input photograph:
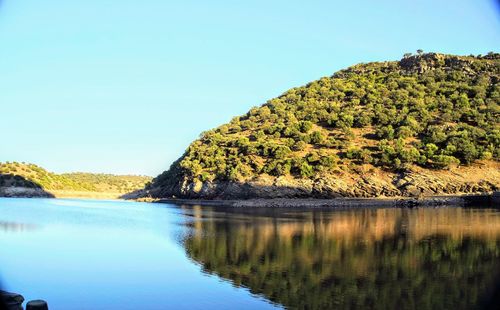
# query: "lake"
{"type": "Point", "coordinates": [90, 254]}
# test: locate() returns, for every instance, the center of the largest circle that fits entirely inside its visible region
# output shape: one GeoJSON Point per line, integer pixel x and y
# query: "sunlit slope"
{"type": "Point", "coordinates": [23, 175]}
{"type": "Point", "coordinates": [427, 124]}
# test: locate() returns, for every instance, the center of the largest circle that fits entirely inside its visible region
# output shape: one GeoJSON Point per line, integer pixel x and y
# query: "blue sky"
{"type": "Point", "coordinates": [125, 86]}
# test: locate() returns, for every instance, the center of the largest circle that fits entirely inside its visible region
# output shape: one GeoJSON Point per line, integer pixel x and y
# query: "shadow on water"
{"type": "Point", "coordinates": [17, 186]}
{"type": "Point", "coordinates": [426, 258]}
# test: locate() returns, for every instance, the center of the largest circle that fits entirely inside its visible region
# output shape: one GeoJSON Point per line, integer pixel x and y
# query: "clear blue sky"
{"type": "Point", "coordinates": [125, 86]}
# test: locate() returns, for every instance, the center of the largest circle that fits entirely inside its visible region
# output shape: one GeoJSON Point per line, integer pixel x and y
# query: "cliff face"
{"type": "Point", "coordinates": [425, 125]}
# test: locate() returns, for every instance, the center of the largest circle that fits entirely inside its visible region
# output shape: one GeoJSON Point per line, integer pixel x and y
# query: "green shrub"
{"type": "Point", "coordinates": [317, 137]}
{"type": "Point", "coordinates": [444, 161]}
{"type": "Point", "coordinates": [385, 132]}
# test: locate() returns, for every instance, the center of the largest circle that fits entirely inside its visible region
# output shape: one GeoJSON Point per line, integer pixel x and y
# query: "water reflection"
{"type": "Point", "coordinates": [15, 227]}
{"type": "Point", "coordinates": [377, 258]}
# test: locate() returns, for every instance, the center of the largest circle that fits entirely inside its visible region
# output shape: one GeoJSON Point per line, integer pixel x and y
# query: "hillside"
{"type": "Point", "coordinates": [44, 183]}
{"type": "Point", "coordinates": [425, 125]}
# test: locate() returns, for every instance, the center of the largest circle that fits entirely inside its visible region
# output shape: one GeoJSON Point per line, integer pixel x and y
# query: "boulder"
{"type": "Point", "coordinates": [37, 305]}
{"type": "Point", "coordinates": [12, 301]}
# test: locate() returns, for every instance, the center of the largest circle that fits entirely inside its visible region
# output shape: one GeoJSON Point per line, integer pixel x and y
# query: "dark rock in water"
{"type": "Point", "coordinates": [12, 301]}
{"type": "Point", "coordinates": [37, 305]}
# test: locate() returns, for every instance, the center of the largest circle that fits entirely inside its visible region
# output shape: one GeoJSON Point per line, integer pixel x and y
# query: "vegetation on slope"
{"type": "Point", "coordinates": [14, 174]}
{"type": "Point", "coordinates": [432, 111]}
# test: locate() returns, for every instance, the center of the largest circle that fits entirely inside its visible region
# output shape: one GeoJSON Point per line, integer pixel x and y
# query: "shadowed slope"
{"type": "Point", "coordinates": [17, 186]}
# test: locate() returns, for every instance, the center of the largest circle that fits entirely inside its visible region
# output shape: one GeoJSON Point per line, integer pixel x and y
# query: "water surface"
{"type": "Point", "coordinates": [80, 254]}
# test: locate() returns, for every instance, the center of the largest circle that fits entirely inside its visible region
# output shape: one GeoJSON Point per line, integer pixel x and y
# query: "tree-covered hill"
{"type": "Point", "coordinates": [426, 124]}
{"type": "Point", "coordinates": [22, 175]}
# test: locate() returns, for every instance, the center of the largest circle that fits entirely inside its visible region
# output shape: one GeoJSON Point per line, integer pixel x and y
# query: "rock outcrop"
{"type": "Point", "coordinates": [416, 182]}
{"type": "Point", "coordinates": [25, 192]}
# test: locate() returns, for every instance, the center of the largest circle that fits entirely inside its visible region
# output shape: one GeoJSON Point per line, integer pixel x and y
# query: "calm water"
{"type": "Point", "coordinates": [80, 254]}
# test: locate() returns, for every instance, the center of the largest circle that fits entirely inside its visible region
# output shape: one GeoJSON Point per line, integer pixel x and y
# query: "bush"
{"type": "Point", "coordinates": [299, 146]}
{"type": "Point", "coordinates": [362, 155]}
{"type": "Point", "coordinates": [305, 126]}
{"type": "Point", "coordinates": [316, 137]}
{"type": "Point", "coordinates": [405, 132]}
{"type": "Point", "coordinates": [444, 161]}
{"type": "Point", "coordinates": [328, 161]}
{"type": "Point", "coordinates": [306, 170]}
{"type": "Point", "coordinates": [385, 132]}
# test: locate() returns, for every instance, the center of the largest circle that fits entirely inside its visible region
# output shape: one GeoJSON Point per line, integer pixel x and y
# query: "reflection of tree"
{"type": "Point", "coordinates": [385, 258]}
{"type": "Point", "coordinates": [15, 227]}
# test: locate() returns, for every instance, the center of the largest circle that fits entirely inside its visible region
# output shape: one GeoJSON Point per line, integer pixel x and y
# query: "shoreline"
{"type": "Point", "coordinates": [480, 199]}
{"type": "Point", "coordinates": [490, 199]}
{"type": "Point", "coordinates": [24, 192]}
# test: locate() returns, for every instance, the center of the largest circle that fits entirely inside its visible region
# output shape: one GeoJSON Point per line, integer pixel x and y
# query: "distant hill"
{"type": "Point", "coordinates": [424, 125]}
{"type": "Point", "coordinates": [22, 175]}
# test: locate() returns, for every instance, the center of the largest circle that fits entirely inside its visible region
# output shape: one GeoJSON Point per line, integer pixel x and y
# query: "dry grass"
{"type": "Point", "coordinates": [87, 195]}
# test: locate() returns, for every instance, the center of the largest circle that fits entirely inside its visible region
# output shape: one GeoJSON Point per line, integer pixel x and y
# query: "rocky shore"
{"type": "Point", "coordinates": [368, 183]}
{"type": "Point", "coordinates": [24, 192]}
{"type": "Point", "coordinates": [485, 199]}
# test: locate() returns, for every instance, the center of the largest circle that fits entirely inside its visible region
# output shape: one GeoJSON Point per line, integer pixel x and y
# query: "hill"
{"type": "Point", "coordinates": [425, 125]}
{"type": "Point", "coordinates": [15, 176]}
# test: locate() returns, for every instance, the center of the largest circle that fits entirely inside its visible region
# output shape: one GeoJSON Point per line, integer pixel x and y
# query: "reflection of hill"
{"type": "Point", "coordinates": [382, 258]}
{"type": "Point", "coordinates": [15, 227]}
